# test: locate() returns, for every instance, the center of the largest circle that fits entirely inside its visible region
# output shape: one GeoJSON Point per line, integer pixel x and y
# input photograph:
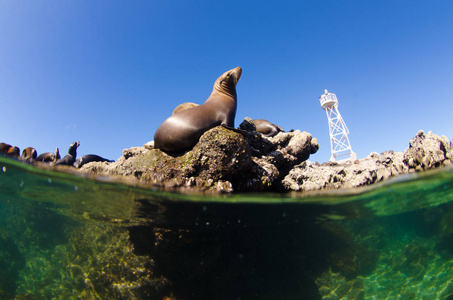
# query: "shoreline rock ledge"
{"type": "Point", "coordinates": [243, 160]}
{"type": "Point", "coordinates": [426, 151]}
{"type": "Point", "coordinates": [223, 160]}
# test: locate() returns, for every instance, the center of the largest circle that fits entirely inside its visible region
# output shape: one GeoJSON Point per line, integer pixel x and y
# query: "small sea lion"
{"type": "Point", "coordinates": [89, 158]}
{"type": "Point", "coordinates": [4, 147]}
{"type": "Point", "coordinates": [184, 106]}
{"type": "Point", "coordinates": [9, 150]}
{"type": "Point", "coordinates": [267, 128]}
{"type": "Point", "coordinates": [29, 154]}
{"type": "Point", "coordinates": [182, 130]}
{"type": "Point", "coordinates": [69, 159]}
{"type": "Point", "coordinates": [49, 156]}
{"type": "Point", "coordinates": [57, 154]}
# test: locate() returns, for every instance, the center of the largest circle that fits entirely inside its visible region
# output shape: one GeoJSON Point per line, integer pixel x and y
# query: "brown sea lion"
{"type": "Point", "coordinates": [267, 128]}
{"type": "Point", "coordinates": [29, 154]}
{"type": "Point", "coordinates": [4, 148]}
{"type": "Point", "coordinates": [9, 150]}
{"type": "Point", "coordinates": [182, 131]}
{"type": "Point", "coordinates": [184, 106]}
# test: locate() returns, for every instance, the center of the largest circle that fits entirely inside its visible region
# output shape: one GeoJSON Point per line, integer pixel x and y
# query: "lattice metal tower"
{"type": "Point", "coordinates": [339, 141]}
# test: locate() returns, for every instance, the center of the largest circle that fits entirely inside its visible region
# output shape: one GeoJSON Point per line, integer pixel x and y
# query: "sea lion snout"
{"type": "Point", "coordinates": [236, 74]}
{"type": "Point", "coordinates": [238, 71]}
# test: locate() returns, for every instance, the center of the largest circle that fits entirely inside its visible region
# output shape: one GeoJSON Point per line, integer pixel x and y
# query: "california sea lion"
{"type": "Point", "coordinates": [49, 156]}
{"type": "Point", "coordinates": [29, 154]}
{"type": "Point", "coordinates": [4, 147]}
{"type": "Point", "coordinates": [184, 106]}
{"type": "Point", "coordinates": [69, 159]}
{"type": "Point", "coordinates": [181, 131]}
{"type": "Point", "coordinates": [267, 128]}
{"type": "Point", "coordinates": [89, 158]}
{"type": "Point", "coordinates": [9, 150]}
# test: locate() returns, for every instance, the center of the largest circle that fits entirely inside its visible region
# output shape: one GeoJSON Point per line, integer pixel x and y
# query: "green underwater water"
{"type": "Point", "coordinates": [65, 236]}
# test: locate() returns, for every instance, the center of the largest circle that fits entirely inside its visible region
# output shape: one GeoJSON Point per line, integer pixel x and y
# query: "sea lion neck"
{"type": "Point", "coordinates": [229, 91]}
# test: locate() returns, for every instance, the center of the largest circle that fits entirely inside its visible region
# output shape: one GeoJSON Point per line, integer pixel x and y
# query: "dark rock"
{"type": "Point", "coordinates": [445, 232]}
{"type": "Point", "coordinates": [11, 262]}
{"type": "Point", "coordinates": [248, 125]}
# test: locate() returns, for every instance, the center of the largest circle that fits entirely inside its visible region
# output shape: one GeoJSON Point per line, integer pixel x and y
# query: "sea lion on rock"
{"type": "Point", "coordinates": [184, 106]}
{"type": "Point", "coordinates": [9, 150]}
{"type": "Point", "coordinates": [4, 147]}
{"type": "Point", "coordinates": [29, 154]}
{"type": "Point", "coordinates": [89, 158]}
{"type": "Point", "coordinates": [69, 159]}
{"type": "Point", "coordinates": [49, 156]}
{"type": "Point", "coordinates": [267, 128]}
{"type": "Point", "coordinates": [182, 130]}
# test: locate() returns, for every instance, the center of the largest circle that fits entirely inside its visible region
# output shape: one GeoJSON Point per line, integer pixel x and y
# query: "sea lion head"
{"type": "Point", "coordinates": [226, 83]}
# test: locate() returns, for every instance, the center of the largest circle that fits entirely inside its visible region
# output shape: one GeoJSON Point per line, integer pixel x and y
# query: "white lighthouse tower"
{"type": "Point", "coordinates": [339, 141]}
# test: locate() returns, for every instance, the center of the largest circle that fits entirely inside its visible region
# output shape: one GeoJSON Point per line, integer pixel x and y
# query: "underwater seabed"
{"type": "Point", "coordinates": [68, 237]}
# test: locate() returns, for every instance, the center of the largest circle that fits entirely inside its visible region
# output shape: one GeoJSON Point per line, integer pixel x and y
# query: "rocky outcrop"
{"type": "Point", "coordinates": [426, 151]}
{"type": "Point", "coordinates": [224, 160]}
{"type": "Point", "coordinates": [235, 160]}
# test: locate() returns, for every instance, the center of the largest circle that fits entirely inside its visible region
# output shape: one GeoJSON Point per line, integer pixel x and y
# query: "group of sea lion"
{"type": "Point", "coordinates": [30, 154]}
{"type": "Point", "coordinates": [182, 130]}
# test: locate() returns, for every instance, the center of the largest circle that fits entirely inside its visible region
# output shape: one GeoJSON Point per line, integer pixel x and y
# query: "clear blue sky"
{"type": "Point", "coordinates": [108, 73]}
